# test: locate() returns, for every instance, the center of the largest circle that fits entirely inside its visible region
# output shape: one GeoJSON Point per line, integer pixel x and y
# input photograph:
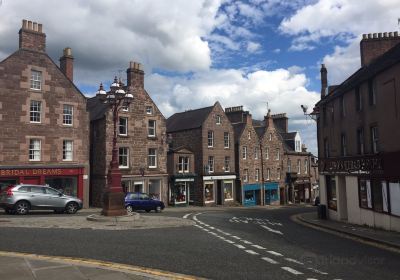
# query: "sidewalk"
{"type": "Point", "coordinates": [387, 239]}
{"type": "Point", "coordinates": [33, 267]}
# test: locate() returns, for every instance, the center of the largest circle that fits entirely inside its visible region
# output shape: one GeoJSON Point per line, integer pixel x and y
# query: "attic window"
{"type": "Point", "coordinates": [218, 119]}
{"type": "Point", "coordinates": [149, 110]}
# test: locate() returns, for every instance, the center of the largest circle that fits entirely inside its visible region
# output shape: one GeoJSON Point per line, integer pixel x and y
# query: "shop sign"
{"type": "Point", "coordinates": [223, 177]}
{"type": "Point", "coordinates": [38, 172]}
{"type": "Point", "coordinates": [185, 180]}
{"type": "Point", "coordinates": [352, 165]}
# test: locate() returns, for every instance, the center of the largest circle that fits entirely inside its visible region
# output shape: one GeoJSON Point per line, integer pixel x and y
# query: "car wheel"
{"type": "Point", "coordinates": [129, 209]}
{"type": "Point", "coordinates": [22, 207]}
{"type": "Point", "coordinates": [71, 208]}
{"type": "Point", "coordinates": [158, 209]}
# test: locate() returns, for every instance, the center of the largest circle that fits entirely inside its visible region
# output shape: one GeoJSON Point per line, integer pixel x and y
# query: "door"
{"type": "Point", "coordinates": [37, 197]}
{"type": "Point", "coordinates": [268, 197]}
{"type": "Point", "coordinates": [54, 198]}
{"type": "Point", "coordinates": [219, 192]}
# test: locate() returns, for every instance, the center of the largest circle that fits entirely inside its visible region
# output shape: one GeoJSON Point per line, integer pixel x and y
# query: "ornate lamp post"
{"type": "Point", "coordinates": [114, 197]}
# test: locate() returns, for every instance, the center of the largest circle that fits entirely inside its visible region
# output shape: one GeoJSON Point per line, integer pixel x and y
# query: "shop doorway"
{"type": "Point", "coordinates": [219, 192]}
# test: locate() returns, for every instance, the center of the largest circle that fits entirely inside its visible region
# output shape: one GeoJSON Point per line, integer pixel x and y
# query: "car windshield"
{"type": "Point", "coordinates": [52, 191]}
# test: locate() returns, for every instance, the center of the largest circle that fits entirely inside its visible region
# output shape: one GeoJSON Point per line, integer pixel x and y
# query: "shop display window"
{"type": "Point", "coordinates": [66, 185]}
{"type": "Point", "coordinates": [155, 189]}
{"type": "Point", "coordinates": [209, 192]}
{"type": "Point", "coordinates": [179, 194]}
{"type": "Point", "coordinates": [228, 190]}
{"type": "Point", "coordinates": [331, 190]}
{"type": "Point", "coordinates": [249, 196]}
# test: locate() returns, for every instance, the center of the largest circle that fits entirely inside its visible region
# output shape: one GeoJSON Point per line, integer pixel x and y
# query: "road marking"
{"type": "Point", "coordinates": [294, 261]}
{"type": "Point", "coordinates": [245, 241]}
{"type": "Point", "coordinates": [272, 230]}
{"type": "Point", "coordinates": [198, 226]}
{"type": "Point", "coordinates": [187, 215]}
{"type": "Point", "coordinates": [291, 270]}
{"type": "Point", "coordinates": [258, 247]}
{"type": "Point", "coordinates": [269, 260]}
{"type": "Point", "coordinates": [229, 241]}
{"type": "Point", "coordinates": [317, 271]}
{"type": "Point", "coordinates": [212, 227]}
{"type": "Point", "coordinates": [251, 252]}
{"type": "Point", "coordinates": [313, 279]}
{"type": "Point", "coordinates": [239, 246]}
{"type": "Point", "coordinates": [205, 229]}
{"type": "Point", "coordinates": [275, 253]}
{"type": "Point", "coordinates": [236, 237]}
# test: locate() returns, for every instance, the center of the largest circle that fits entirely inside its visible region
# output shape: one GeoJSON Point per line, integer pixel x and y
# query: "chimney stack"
{"type": "Point", "coordinates": [31, 36]}
{"type": "Point", "coordinates": [324, 80]}
{"type": "Point", "coordinates": [376, 44]}
{"type": "Point", "coordinates": [281, 121]}
{"type": "Point", "coordinates": [135, 75]}
{"type": "Point", "coordinates": [67, 63]}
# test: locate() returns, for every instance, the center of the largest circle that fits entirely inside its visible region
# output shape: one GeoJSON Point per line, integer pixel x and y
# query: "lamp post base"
{"type": "Point", "coordinates": [114, 204]}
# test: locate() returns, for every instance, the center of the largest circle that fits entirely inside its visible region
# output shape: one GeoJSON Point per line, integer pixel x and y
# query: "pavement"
{"type": "Point", "coordinates": [377, 237]}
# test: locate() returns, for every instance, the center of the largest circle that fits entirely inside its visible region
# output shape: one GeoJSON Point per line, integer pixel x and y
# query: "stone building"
{"type": "Point", "coordinates": [44, 135]}
{"type": "Point", "coordinates": [209, 134]}
{"type": "Point", "coordinates": [358, 138]}
{"type": "Point", "coordinates": [142, 142]}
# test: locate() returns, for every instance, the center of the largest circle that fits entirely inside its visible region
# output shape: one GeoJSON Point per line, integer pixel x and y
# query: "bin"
{"type": "Point", "coordinates": [322, 212]}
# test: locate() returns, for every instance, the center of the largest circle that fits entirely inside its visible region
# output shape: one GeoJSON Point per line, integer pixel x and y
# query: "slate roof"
{"type": "Point", "coordinates": [378, 65]}
{"type": "Point", "coordinates": [238, 130]}
{"type": "Point", "coordinates": [96, 108]}
{"type": "Point", "coordinates": [188, 119]}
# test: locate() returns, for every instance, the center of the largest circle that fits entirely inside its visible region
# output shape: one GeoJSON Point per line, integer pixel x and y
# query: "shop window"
{"type": "Point", "coordinates": [68, 112]}
{"type": "Point", "coordinates": [123, 157]}
{"type": "Point", "coordinates": [152, 158]}
{"type": "Point", "coordinates": [210, 139]}
{"type": "Point", "coordinates": [155, 189]}
{"type": "Point", "coordinates": [152, 128]}
{"type": "Point", "coordinates": [35, 111]}
{"type": "Point", "coordinates": [209, 192]}
{"type": "Point", "coordinates": [364, 194]}
{"type": "Point", "coordinates": [211, 164]}
{"type": "Point", "coordinates": [374, 195]}
{"type": "Point", "coordinates": [123, 126]}
{"type": "Point", "coordinates": [227, 164]}
{"type": "Point", "coordinates": [374, 139]}
{"type": "Point", "coordinates": [183, 164]}
{"type": "Point", "coordinates": [179, 193]}
{"type": "Point", "coordinates": [36, 80]}
{"type": "Point", "coordinates": [228, 190]}
{"type": "Point", "coordinates": [66, 185]}
{"type": "Point", "coordinates": [35, 149]}
{"type": "Point", "coordinates": [394, 191]}
{"type": "Point", "coordinates": [331, 192]}
{"type": "Point", "coordinates": [149, 110]}
{"type": "Point", "coordinates": [68, 146]}
{"type": "Point", "coordinates": [226, 140]}
{"type": "Point", "coordinates": [257, 176]}
{"type": "Point", "coordinates": [244, 152]}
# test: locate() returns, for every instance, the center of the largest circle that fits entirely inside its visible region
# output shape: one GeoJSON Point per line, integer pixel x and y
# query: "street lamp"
{"type": "Point", "coordinates": [114, 197]}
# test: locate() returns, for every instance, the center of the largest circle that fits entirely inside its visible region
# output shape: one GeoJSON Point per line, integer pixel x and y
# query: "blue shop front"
{"type": "Point", "coordinates": [251, 194]}
{"type": "Point", "coordinates": [271, 193]}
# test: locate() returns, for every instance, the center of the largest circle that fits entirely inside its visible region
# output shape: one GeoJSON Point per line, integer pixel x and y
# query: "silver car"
{"type": "Point", "coordinates": [20, 199]}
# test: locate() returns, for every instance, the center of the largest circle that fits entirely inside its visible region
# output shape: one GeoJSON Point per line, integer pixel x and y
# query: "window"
{"type": "Point", "coordinates": [298, 166]}
{"type": "Point", "coordinates": [228, 190]}
{"type": "Point", "coordinates": [183, 164]}
{"type": "Point", "coordinates": [360, 141]}
{"type": "Point", "coordinates": [343, 144]}
{"type": "Point", "coordinates": [125, 108]}
{"type": "Point", "coordinates": [209, 192]}
{"type": "Point", "coordinates": [210, 139]}
{"type": "Point", "coordinates": [266, 153]}
{"type": "Point", "coordinates": [226, 140]}
{"type": "Point", "coordinates": [270, 137]}
{"type": "Point", "coordinates": [358, 99]}
{"type": "Point", "coordinates": [326, 148]}
{"type": "Point", "coordinates": [342, 107]}
{"type": "Point", "coordinates": [331, 192]}
{"type": "Point", "coordinates": [123, 157]}
{"type": "Point", "coordinates": [278, 154]}
{"type": "Point", "coordinates": [123, 126]}
{"type": "Point", "coordinates": [245, 175]}
{"type": "Point", "coordinates": [227, 164]}
{"type": "Point", "coordinates": [289, 166]}
{"type": "Point", "coordinates": [255, 152]}
{"type": "Point", "coordinates": [372, 92]}
{"type": "Point", "coordinates": [249, 135]}
{"type": "Point", "coordinates": [152, 128]}
{"type": "Point", "coordinates": [297, 146]}
{"type": "Point", "coordinates": [218, 119]}
{"type": "Point", "coordinates": [36, 80]}
{"type": "Point", "coordinates": [68, 150]}
{"type": "Point", "coordinates": [34, 149]}
{"type": "Point", "coordinates": [35, 111]}
{"type": "Point", "coordinates": [68, 112]}
{"type": "Point", "coordinates": [244, 152]}
{"type": "Point", "coordinates": [268, 174]}
{"type": "Point", "coordinates": [374, 139]}
{"type": "Point", "coordinates": [364, 193]}
{"type": "Point", "coordinates": [152, 158]}
{"type": "Point", "coordinates": [257, 176]}
{"type": "Point", "coordinates": [394, 189]}
{"type": "Point", "coordinates": [149, 110]}
{"type": "Point", "coordinates": [278, 171]}
{"type": "Point", "coordinates": [305, 166]}
{"type": "Point", "coordinates": [211, 164]}
{"type": "Point", "coordinates": [374, 195]}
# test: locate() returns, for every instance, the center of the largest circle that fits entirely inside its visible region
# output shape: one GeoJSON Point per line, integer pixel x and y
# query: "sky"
{"type": "Point", "coordinates": [262, 54]}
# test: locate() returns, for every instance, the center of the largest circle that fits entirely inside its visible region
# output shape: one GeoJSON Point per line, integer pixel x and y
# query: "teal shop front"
{"type": "Point", "coordinates": [271, 193]}
{"type": "Point", "coordinates": [252, 194]}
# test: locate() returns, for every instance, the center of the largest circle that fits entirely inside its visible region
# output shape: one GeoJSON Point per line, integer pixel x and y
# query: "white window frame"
{"type": "Point", "coordinates": [227, 164]}
{"type": "Point", "coordinates": [231, 188]}
{"type": "Point", "coordinates": [249, 135]}
{"type": "Point", "coordinates": [152, 157]}
{"type": "Point", "coordinates": [149, 110]}
{"type": "Point", "coordinates": [183, 164]}
{"type": "Point", "coordinates": [210, 183]}
{"type": "Point", "coordinates": [218, 119]}
{"type": "Point", "coordinates": [151, 130]}
{"type": "Point", "coordinates": [306, 166]}
{"type": "Point", "coordinates": [35, 149]}
{"type": "Point", "coordinates": [68, 114]}
{"type": "Point", "coordinates": [210, 139]}
{"type": "Point", "coordinates": [36, 80]}
{"type": "Point", "coordinates": [245, 175]}
{"type": "Point", "coordinates": [255, 152]}
{"type": "Point", "coordinates": [278, 170]}
{"type": "Point", "coordinates": [35, 111]}
{"type": "Point", "coordinates": [68, 150]}
{"type": "Point", "coordinates": [268, 175]}
{"type": "Point", "coordinates": [226, 140]}
{"type": "Point", "coordinates": [270, 137]}
{"type": "Point", "coordinates": [298, 166]}
{"type": "Point", "coordinates": [257, 175]}
{"type": "Point", "coordinates": [244, 152]}
{"type": "Point", "coordinates": [266, 152]}
{"type": "Point", "coordinates": [278, 154]}
{"type": "Point", "coordinates": [121, 125]}
{"type": "Point", "coordinates": [125, 154]}
{"type": "Point", "coordinates": [210, 164]}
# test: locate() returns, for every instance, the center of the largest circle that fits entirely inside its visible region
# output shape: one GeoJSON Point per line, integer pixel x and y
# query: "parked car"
{"type": "Point", "coordinates": [142, 201]}
{"type": "Point", "coordinates": [20, 199]}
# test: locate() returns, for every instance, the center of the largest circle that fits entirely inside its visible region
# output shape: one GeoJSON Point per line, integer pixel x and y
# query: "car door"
{"type": "Point", "coordinates": [54, 198]}
{"type": "Point", "coordinates": [37, 197]}
{"type": "Point", "coordinates": [145, 202]}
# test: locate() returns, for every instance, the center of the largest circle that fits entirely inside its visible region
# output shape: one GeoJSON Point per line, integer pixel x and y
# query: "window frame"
{"type": "Point", "coordinates": [218, 119]}
{"type": "Point", "coordinates": [69, 115]}
{"type": "Point", "coordinates": [278, 154]}
{"type": "Point", "coordinates": [244, 152]}
{"type": "Point", "coordinates": [226, 140]}
{"type": "Point", "coordinates": [245, 175]}
{"type": "Point", "coordinates": [211, 162]}
{"type": "Point", "coordinates": [35, 111]}
{"type": "Point", "coordinates": [343, 144]}
{"type": "Point", "coordinates": [257, 175]}
{"type": "Point", "coordinates": [124, 155]}
{"type": "Point", "coordinates": [360, 137]}
{"type": "Point", "coordinates": [374, 139]}
{"type": "Point", "coordinates": [149, 110]}
{"type": "Point", "coordinates": [152, 130]}
{"type": "Point", "coordinates": [210, 139]}
{"type": "Point", "coordinates": [121, 125]}
{"type": "Point", "coordinates": [34, 151]}
{"type": "Point", "coordinates": [36, 80]}
{"type": "Point", "coordinates": [227, 163]}
{"type": "Point", "coordinates": [152, 157]}
{"type": "Point", "coordinates": [68, 152]}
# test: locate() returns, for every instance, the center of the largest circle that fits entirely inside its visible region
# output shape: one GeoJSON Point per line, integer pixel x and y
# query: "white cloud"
{"type": "Point", "coordinates": [253, 47]}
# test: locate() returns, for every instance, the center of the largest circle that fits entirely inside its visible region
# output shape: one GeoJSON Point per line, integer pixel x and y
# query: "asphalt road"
{"type": "Point", "coordinates": [233, 243]}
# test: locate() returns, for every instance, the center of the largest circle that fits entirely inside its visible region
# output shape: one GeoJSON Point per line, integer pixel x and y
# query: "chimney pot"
{"type": "Point", "coordinates": [30, 25]}
{"type": "Point", "coordinates": [396, 34]}
{"type": "Point", "coordinates": [379, 35]}
{"type": "Point", "coordinates": [40, 27]}
{"type": "Point", "coordinates": [364, 36]}
{"type": "Point", "coordinates": [67, 63]}
{"type": "Point", "coordinates": [390, 34]}
{"type": "Point", "coordinates": [24, 24]}
{"type": "Point", "coordinates": [384, 34]}
{"type": "Point", "coordinates": [375, 35]}
{"type": "Point", "coordinates": [35, 26]}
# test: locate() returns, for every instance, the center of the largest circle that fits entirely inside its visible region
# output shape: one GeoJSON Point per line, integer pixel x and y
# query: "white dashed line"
{"type": "Point", "coordinates": [245, 241]}
{"type": "Point", "coordinates": [294, 261]}
{"type": "Point", "coordinates": [205, 229]}
{"type": "Point", "coordinates": [269, 260]}
{"type": "Point", "coordinates": [258, 247]}
{"type": "Point", "coordinates": [251, 252]}
{"type": "Point", "coordinates": [187, 215]}
{"type": "Point", "coordinates": [229, 241]}
{"type": "Point", "coordinates": [291, 270]}
{"type": "Point", "coordinates": [272, 230]}
{"type": "Point", "coordinates": [317, 271]}
{"type": "Point", "coordinates": [275, 253]}
{"type": "Point", "coordinates": [239, 246]}
{"type": "Point", "coordinates": [236, 237]}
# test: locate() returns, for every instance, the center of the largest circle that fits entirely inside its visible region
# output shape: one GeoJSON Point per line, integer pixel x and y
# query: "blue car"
{"type": "Point", "coordinates": [142, 201]}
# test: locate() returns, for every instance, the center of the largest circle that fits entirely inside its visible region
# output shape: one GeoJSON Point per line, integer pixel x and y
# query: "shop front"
{"type": "Point", "coordinates": [219, 190]}
{"type": "Point", "coordinates": [302, 190]}
{"type": "Point", "coordinates": [271, 193]}
{"type": "Point", "coordinates": [153, 186]}
{"type": "Point", "coordinates": [67, 180]}
{"type": "Point", "coordinates": [251, 194]}
{"type": "Point", "coordinates": [181, 191]}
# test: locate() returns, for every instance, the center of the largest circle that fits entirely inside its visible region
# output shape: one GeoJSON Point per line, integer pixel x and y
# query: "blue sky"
{"type": "Point", "coordinates": [194, 53]}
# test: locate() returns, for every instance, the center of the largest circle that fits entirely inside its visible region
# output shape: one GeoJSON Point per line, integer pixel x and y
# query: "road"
{"type": "Point", "coordinates": [233, 243]}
